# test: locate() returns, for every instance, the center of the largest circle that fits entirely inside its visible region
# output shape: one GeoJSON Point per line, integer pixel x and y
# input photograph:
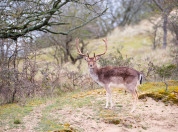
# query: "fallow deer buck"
{"type": "Point", "coordinates": [109, 76]}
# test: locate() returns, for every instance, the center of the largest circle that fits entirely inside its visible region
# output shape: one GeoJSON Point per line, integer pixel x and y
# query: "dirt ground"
{"type": "Point", "coordinates": [150, 116]}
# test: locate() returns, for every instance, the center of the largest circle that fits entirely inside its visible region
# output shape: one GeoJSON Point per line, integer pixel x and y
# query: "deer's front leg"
{"type": "Point", "coordinates": [108, 97]}
{"type": "Point", "coordinates": [107, 100]}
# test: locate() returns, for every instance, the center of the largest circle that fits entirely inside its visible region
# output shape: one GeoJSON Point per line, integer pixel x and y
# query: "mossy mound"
{"type": "Point", "coordinates": [166, 97]}
{"type": "Point", "coordinates": [157, 91]}
{"type": "Point", "coordinates": [69, 129]}
{"type": "Point", "coordinates": [64, 131]}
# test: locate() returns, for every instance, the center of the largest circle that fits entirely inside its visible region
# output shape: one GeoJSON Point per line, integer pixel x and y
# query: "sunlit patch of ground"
{"type": "Point", "coordinates": [84, 111]}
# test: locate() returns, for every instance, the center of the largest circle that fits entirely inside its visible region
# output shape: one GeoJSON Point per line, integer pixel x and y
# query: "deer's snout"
{"type": "Point", "coordinates": [90, 64]}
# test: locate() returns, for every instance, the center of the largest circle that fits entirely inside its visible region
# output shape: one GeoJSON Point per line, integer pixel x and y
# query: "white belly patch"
{"type": "Point", "coordinates": [117, 85]}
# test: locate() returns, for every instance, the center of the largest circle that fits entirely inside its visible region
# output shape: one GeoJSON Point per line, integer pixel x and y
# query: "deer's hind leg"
{"type": "Point", "coordinates": [133, 90]}
{"type": "Point", "coordinates": [135, 99]}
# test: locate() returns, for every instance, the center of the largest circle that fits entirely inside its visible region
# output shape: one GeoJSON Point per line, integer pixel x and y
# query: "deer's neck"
{"type": "Point", "coordinates": [93, 71]}
{"type": "Point", "coordinates": [94, 75]}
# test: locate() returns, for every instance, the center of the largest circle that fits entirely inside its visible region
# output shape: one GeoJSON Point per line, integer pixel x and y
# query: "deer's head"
{"type": "Point", "coordinates": [90, 60]}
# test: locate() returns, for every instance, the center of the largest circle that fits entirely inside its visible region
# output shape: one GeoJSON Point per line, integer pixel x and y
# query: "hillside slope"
{"type": "Point", "coordinates": [133, 41]}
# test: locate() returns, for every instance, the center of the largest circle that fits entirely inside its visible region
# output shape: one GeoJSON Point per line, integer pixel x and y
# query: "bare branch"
{"type": "Point", "coordinates": [158, 4]}
{"type": "Point", "coordinates": [38, 19]}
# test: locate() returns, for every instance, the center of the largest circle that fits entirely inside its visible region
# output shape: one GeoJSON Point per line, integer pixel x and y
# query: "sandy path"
{"type": "Point", "coordinates": [31, 121]}
{"type": "Point", "coordinates": [150, 116]}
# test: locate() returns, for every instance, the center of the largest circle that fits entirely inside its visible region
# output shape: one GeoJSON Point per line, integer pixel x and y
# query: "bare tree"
{"type": "Point", "coordinates": [165, 6]}
{"type": "Point", "coordinates": [64, 49]}
{"type": "Point", "coordinates": [123, 12]}
{"type": "Point", "coordinates": [18, 18]}
{"type": "Point", "coordinates": [173, 26]}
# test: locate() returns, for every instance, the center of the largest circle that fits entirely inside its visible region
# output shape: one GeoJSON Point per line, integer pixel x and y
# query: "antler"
{"type": "Point", "coordinates": [105, 41]}
{"type": "Point", "coordinates": [80, 53]}
{"type": "Point", "coordinates": [78, 49]}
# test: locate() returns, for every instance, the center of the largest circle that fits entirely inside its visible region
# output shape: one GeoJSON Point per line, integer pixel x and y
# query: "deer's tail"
{"type": "Point", "coordinates": [140, 78]}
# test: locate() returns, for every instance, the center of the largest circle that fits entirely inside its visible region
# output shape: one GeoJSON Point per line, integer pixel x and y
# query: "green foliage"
{"type": "Point", "coordinates": [166, 71]}
{"type": "Point", "coordinates": [115, 59]}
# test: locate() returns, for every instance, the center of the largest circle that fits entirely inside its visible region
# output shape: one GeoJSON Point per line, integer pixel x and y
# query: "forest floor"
{"type": "Point", "coordinates": [84, 111]}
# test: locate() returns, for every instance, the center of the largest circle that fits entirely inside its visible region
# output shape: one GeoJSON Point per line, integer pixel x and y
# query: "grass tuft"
{"type": "Point", "coordinates": [17, 121]}
{"type": "Point", "coordinates": [112, 121]}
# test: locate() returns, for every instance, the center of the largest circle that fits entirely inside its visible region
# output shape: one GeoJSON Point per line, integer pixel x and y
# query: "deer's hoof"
{"type": "Point", "coordinates": [132, 111]}
{"type": "Point", "coordinates": [106, 108]}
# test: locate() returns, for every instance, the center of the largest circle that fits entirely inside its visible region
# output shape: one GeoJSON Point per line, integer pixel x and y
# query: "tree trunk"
{"type": "Point", "coordinates": [165, 18]}
{"type": "Point", "coordinates": [65, 57]}
{"type": "Point", "coordinates": [166, 85]}
{"type": "Point", "coordinates": [175, 31]}
{"type": "Point", "coordinates": [154, 38]}
{"type": "Point", "coordinates": [2, 52]}
{"type": "Point", "coordinates": [15, 54]}
{"type": "Point", "coordinates": [13, 95]}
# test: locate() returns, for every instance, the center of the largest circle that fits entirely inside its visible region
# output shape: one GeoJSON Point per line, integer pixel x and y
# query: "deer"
{"type": "Point", "coordinates": [112, 76]}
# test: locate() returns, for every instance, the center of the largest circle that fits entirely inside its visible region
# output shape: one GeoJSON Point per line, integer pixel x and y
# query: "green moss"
{"type": "Point", "coordinates": [157, 91]}
{"type": "Point", "coordinates": [172, 98]}
{"type": "Point", "coordinates": [112, 121]}
{"type": "Point", "coordinates": [156, 97]}
{"type": "Point", "coordinates": [166, 97]}
{"type": "Point", "coordinates": [145, 128]}
{"type": "Point", "coordinates": [127, 125]}
{"type": "Point", "coordinates": [64, 130]}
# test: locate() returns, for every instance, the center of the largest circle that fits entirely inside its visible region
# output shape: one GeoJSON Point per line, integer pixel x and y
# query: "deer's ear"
{"type": "Point", "coordinates": [86, 58]}
{"type": "Point", "coordinates": [97, 57]}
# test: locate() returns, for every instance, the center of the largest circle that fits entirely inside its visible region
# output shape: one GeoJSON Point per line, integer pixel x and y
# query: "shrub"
{"type": "Point", "coordinates": [115, 59]}
{"type": "Point", "coordinates": [166, 72]}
